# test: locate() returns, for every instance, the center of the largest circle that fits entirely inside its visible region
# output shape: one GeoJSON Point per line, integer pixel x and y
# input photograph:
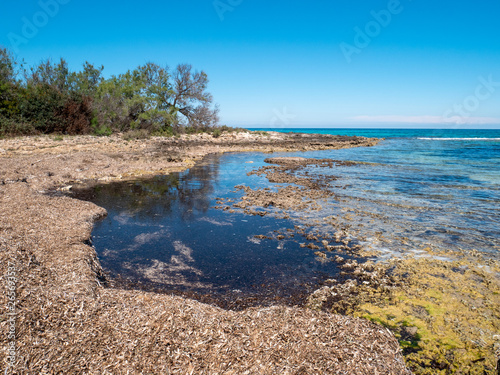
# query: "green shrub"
{"type": "Point", "coordinates": [136, 134]}
{"type": "Point", "coordinates": [52, 99]}
{"type": "Point", "coordinates": [164, 132]}
{"type": "Point", "coordinates": [40, 106]}
{"type": "Point", "coordinates": [261, 132]}
{"type": "Point", "coordinates": [192, 130]}
{"type": "Point", "coordinates": [101, 130]}
{"type": "Point", "coordinates": [12, 127]}
{"type": "Point", "coordinates": [216, 133]}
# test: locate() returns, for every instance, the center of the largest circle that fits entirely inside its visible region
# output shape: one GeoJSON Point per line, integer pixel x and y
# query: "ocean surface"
{"type": "Point", "coordinates": [465, 134]}
{"type": "Point", "coordinates": [414, 191]}
{"type": "Point", "coordinates": [421, 188]}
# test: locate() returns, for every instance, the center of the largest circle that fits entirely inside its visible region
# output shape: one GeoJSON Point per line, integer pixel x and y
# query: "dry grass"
{"type": "Point", "coordinates": [67, 323]}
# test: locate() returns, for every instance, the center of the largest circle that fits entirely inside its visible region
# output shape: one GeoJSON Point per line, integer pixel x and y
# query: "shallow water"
{"type": "Point", "coordinates": [164, 234]}
{"type": "Point", "coordinates": [431, 193]}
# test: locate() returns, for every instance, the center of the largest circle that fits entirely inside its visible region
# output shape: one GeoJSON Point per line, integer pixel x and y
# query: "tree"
{"type": "Point", "coordinates": [51, 98]}
{"type": "Point", "coordinates": [150, 98]}
{"type": "Point", "coordinates": [55, 75]}
{"type": "Point", "coordinates": [40, 104]}
{"type": "Point", "coordinates": [7, 66]}
{"type": "Point", "coordinates": [9, 92]}
{"type": "Point", "coordinates": [191, 99]}
{"type": "Point", "coordinates": [157, 92]}
{"type": "Point", "coordinates": [87, 81]}
{"type": "Point", "coordinates": [119, 101]}
{"type": "Point", "coordinates": [57, 100]}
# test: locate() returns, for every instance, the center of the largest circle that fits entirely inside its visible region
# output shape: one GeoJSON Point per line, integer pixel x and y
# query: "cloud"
{"type": "Point", "coordinates": [215, 222]}
{"type": "Point", "coordinates": [427, 120]}
{"type": "Point", "coordinates": [176, 272]}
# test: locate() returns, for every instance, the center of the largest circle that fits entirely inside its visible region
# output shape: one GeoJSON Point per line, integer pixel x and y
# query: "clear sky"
{"type": "Point", "coordinates": [319, 63]}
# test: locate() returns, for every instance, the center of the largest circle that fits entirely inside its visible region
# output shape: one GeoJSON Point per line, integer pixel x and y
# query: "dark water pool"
{"type": "Point", "coordinates": [164, 234]}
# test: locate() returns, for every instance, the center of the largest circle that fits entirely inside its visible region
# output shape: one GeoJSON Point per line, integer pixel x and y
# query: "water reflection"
{"type": "Point", "coordinates": [163, 234]}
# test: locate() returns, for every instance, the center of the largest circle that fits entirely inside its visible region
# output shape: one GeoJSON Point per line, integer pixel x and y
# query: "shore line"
{"type": "Point", "coordinates": [66, 321]}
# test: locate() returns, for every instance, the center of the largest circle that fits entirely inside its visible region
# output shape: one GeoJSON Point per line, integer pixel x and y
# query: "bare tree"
{"type": "Point", "coordinates": [191, 99]}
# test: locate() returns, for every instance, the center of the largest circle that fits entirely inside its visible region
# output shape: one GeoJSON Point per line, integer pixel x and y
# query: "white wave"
{"type": "Point", "coordinates": [459, 139]}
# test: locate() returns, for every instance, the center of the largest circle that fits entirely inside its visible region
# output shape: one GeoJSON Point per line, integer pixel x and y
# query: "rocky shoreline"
{"type": "Point", "coordinates": [441, 305]}
{"type": "Point", "coordinates": [66, 321]}
{"type": "Point", "coordinates": [49, 161]}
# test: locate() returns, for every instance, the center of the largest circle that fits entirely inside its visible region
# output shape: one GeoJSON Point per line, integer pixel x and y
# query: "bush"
{"type": "Point", "coordinates": [192, 130]}
{"type": "Point", "coordinates": [40, 105]}
{"type": "Point", "coordinates": [76, 115]}
{"type": "Point", "coordinates": [9, 100]}
{"type": "Point", "coordinates": [261, 132]}
{"type": "Point", "coordinates": [216, 133]}
{"type": "Point", "coordinates": [100, 130]}
{"type": "Point", "coordinates": [167, 131]}
{"type": "Point", "coordinates": [136, 134]}
{"type": "Point", "coordinates": [13, 127]}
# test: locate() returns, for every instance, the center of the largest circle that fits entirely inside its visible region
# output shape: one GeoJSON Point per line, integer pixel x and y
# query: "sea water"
{"type": "Point", "coordinates": [421, 188]}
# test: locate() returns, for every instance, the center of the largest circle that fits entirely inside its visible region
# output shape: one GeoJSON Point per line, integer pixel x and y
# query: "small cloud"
{"type": "Point", "coordinates": [185, 251]}
{"type": "Point", "coordinates": [253, 240]}
{"type": "Point", "coordinates": [147, 238]}
{"type": "Point", "coordinates": [176, 272]}
{"type": "Point", "coordinates": [215, 222]}
{"type": "Point", "coordinates": [123, 218]}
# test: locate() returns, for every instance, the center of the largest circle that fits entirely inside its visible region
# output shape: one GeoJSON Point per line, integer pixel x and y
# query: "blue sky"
{"type": "Point", "coordinates": [341, 63]}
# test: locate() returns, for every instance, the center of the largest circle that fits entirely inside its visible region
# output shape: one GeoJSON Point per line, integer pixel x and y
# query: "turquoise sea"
{"type": "Point", "coordinates": [415, 190]}
{"type": "Point", "coordinates": [480, 134]}
{"type": "Point", "coordinates": [433, 188]}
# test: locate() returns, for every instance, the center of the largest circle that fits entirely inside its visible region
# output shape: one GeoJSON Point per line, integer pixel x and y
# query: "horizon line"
{"type": "Point", "coordinates": [493, 127]}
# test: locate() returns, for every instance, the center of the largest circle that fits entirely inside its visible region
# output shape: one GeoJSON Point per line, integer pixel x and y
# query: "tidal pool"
{"type": "Point", "coordinates": [163, 234]}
